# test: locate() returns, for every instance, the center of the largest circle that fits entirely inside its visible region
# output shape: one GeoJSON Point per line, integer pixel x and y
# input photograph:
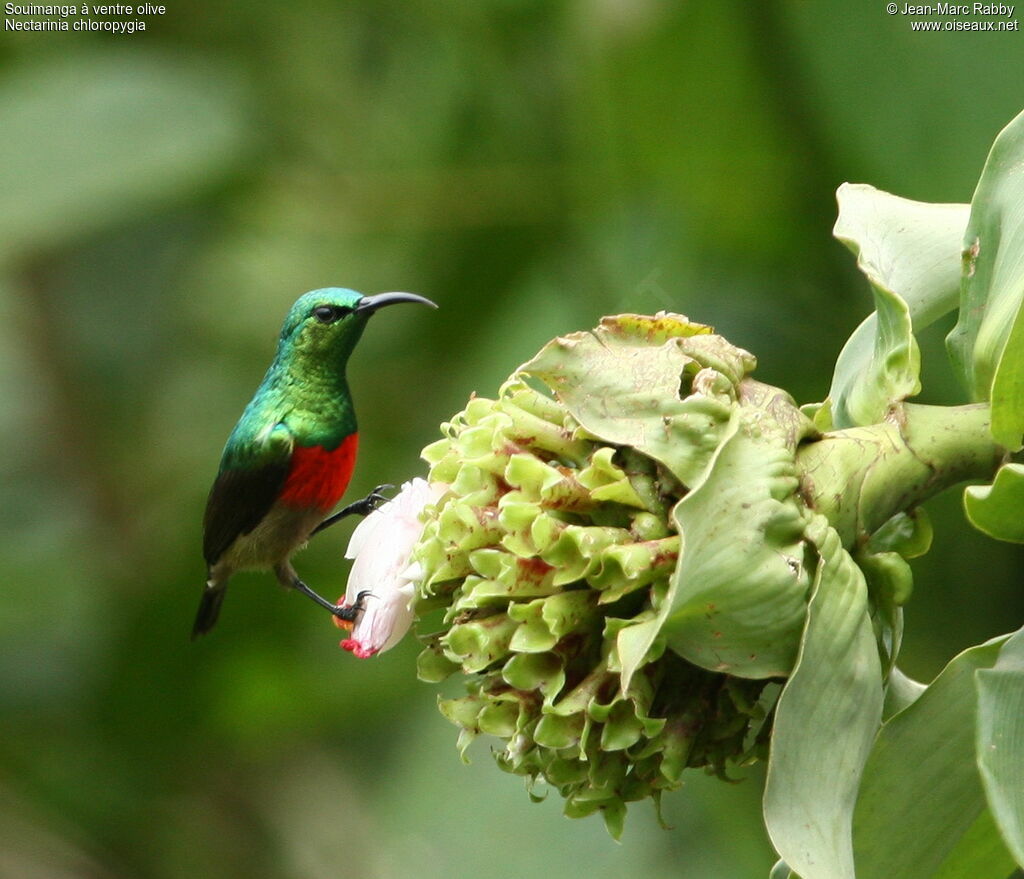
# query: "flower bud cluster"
{"type": "Point", "coordinates": [546, 545]}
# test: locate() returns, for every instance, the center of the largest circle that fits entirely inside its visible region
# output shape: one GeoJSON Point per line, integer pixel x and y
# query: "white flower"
{"type": "Point", "coordinates": [381, 547]}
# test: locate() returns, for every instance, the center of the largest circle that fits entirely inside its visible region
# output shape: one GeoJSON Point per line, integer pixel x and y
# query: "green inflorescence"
{"type": "Point", "coordinates": [548, 543]}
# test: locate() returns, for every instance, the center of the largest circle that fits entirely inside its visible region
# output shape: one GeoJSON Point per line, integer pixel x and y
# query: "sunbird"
{"type": "Point", "coordinates": [289, 459]}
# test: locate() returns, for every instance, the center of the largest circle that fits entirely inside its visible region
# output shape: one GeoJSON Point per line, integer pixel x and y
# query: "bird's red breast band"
{"type": "Point", "coordinates": [318, 477]}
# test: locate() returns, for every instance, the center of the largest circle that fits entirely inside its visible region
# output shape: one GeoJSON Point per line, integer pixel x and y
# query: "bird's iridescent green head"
{"type": "Point", "coordinates": [326, 324]}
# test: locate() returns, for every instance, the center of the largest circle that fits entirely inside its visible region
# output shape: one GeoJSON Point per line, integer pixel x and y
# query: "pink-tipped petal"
{"type": "Point", "coordinates": [381, 548]}
{"type": "Point", "coordinates": [357, 649]}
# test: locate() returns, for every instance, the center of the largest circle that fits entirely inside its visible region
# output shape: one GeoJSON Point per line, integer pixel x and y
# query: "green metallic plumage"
{"type": "Point", "coordinates": [256, 516]}
{"type": "Point", "coordinates": [304, 398]}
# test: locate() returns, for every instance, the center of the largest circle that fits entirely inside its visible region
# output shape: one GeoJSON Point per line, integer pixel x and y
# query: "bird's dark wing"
{"type": "Point", "coordinates": [239, 499]}
{"type": "Point", "coordinates": [252, 473]}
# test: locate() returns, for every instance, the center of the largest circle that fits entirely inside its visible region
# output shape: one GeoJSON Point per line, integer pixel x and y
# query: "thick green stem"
{"type": "Point", "coordinates": [859, 478]}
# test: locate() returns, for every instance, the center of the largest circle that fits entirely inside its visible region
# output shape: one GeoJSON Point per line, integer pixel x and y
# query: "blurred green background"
{"type": "Point", "coordinates": [529, 165]}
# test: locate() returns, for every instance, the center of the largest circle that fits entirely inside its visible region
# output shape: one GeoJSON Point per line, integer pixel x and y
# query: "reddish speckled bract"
{"type": "Point", "coordinates": [318, 477]}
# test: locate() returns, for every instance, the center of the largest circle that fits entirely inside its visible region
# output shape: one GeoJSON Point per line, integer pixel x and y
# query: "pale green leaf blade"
{"type": "Point", "coordinates": [909, 247]}
{"type": "Point", "coordinates": [910, 252]}
{"type": "Point", "coordinates": [1008, 388]}
{"type": "Point", "coordinates": [920, 792]}
{"type": "Point", "coordinates": [987, 344]}
{"type": "Point", "coordinates": [1000, 741]}
{"type": "Point", "coordinates": [998, 509]}
{"type": "Point", "coordinates": [980, 854]}
{"type": "Point", "coordinates": [826, 720]}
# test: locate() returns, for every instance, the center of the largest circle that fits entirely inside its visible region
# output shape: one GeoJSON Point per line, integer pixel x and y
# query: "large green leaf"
{"type": "Point", "coordinates": [91, 138]}
{"type": "Point", "coordinates": [1000, 741]}
{"type": "Point", "coordinates": [980, 853]}
{"type": "Point", "coordinates": [998, 509]}
{"type": "Point", "coordinates": [987, 344]}
{"type": "Point", "coordinates": [920, 793]}
{"type": "Point", "coordinates": [910, 252]}
{"type": "Point", "coordinates": [826, 720]}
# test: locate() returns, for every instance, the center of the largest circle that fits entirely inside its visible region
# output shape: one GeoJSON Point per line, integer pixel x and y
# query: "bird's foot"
{"type": "Point", "coordinates": [345, 615]}
{"type": "Point", "coordinates": [373, 501]}
{"type": "Point", "coordinates": [363, 507]}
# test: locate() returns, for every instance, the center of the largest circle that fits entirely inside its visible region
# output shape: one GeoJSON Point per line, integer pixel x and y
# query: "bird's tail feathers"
{"type": "Point", "coordinates": [209, 608]}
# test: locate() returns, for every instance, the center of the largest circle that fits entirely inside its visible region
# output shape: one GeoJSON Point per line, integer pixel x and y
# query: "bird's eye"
{"type": "Point", "coordinates": [328, 314]}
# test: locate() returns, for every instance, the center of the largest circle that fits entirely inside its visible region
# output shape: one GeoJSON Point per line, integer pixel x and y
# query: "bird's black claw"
{"type": "Point", "coordinates": [373, 501]}
{"type": "Point", "coordinates": [349, 612]}
{"type": "Point", "coordinates": [376, 498]}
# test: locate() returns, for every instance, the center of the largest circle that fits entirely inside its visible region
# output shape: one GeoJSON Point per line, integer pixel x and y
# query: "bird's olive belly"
{"type": "Point", "coordinates": [282, 531]}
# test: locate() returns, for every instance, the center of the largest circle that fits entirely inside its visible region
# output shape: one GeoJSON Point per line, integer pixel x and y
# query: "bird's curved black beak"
{"type": "Point", "coordinates": [369, 304]}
